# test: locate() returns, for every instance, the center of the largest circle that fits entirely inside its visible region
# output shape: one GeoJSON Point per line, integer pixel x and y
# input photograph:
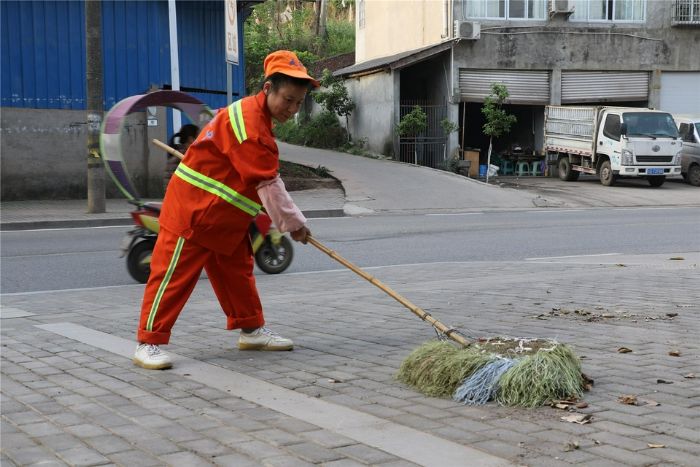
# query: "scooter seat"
{"type": "Point", "coordinates": [153, 205]}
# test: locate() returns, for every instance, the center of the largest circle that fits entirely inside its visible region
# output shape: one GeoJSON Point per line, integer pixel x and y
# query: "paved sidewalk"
{"type": "Point", "coordinates": [71, 396]}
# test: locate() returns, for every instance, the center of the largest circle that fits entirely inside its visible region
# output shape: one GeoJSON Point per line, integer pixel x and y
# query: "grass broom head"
{"type": "Point", "coordinates": [526, 372]}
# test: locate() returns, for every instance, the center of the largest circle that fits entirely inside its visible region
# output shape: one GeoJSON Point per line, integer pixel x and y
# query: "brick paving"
{"type": "Point", "coordinates": [68, 403]}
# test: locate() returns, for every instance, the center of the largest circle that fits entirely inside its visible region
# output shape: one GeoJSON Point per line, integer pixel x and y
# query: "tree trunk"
{"type": "Point", "coordinates": [93, 77]}
{"type": "Point", "coordinates": [322, 19]}
{"type": "Point", "coordinates": [317, 8]}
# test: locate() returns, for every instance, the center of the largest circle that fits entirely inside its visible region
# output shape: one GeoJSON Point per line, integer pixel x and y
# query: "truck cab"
{"type": "Point", "coordinates": [636, 143]}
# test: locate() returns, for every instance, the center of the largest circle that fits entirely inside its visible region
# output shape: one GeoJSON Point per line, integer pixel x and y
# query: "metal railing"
{"type": "Point", "coordinates": [428, 148]}
{"type": "Point", "coordinates": [426, 151]}
{"type": "Point", "coordinates": [686, 12]}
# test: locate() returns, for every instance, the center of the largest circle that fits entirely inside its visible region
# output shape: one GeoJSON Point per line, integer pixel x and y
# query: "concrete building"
{"type": "Point", "coordinates": [444, 56]}
{"type": "Point", "coordinates": [43, 85]}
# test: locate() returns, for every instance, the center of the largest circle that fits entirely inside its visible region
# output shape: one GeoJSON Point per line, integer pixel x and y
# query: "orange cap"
{"type": "Point", "coordinates": [287, 63]}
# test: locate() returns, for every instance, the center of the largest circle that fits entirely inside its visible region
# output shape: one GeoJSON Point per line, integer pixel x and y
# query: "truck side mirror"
{"type": "Point", "coordinates": [623, 129]}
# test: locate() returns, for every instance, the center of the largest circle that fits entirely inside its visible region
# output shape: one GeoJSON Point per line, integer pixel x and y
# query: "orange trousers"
{"type": "Point", "coordinates": [176, 266]}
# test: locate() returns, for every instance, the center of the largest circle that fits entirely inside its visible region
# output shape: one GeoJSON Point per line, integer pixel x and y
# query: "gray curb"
{"type": "Point", "coordinates": [74, 223]}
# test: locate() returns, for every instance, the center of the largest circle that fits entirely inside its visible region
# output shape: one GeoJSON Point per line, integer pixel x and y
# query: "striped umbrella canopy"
{"type": "Point", "coordinates": [113, 124]}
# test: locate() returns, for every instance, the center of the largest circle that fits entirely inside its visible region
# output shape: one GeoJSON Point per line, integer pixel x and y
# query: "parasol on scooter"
{"type": "Point", "coordinates": [273, 251]}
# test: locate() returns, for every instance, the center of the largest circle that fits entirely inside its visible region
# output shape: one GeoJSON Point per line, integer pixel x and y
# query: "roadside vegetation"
{"type": "Point", "coordinates": [299, 26]}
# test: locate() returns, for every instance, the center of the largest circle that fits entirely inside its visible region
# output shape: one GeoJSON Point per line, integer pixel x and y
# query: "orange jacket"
{"type": "Point", "coordinates": [215, 184]}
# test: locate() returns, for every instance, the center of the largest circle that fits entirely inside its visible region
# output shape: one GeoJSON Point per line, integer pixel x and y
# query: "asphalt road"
{"type": "Point", "coordinates": [40, 260]}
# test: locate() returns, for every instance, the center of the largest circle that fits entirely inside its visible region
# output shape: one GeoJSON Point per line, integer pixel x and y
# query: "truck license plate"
{"type": "Point", "coordinates": [655, 171]}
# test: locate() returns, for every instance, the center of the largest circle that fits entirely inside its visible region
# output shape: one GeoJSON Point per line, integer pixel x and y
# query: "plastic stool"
{"type": "Point", "coordinates": [507, 167]}
{"type": "Point", "coordinates": [523, 168]}
{"type": "Point", "coordinates": [537, 168]}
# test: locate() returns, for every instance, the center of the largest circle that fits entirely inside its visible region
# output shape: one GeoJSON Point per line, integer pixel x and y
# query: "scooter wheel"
{"type": "Point", "coordinates": [138, 261]}
{"type": "Point", "coordinates": [273, 259]}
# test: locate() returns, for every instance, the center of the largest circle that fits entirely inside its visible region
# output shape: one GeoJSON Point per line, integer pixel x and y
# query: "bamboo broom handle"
{"type": "Point", "coordinates": [168, 149]}
{"type": "Point", "coordinates": [422, 314]}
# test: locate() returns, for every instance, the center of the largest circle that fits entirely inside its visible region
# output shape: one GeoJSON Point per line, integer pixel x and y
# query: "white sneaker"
{"type": "Point", "coordinates": [263, 339]}
{"type": "Point", "coordinates": [150, 356]}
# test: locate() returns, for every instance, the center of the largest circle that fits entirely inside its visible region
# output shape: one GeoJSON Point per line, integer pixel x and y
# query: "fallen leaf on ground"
{"type": "Point", "coordinates": [677, 258]}
{"type": "Point", "coordinates": [571, 446]}
{"type": "Point", "coordinates": [689, 376]}
{"type": "Point", "coordinates": [628, 399]}
{"type": "Point", "coordinates": [652, 445]}
{"type": "Point", "coordinates": [332, 380]}
{"type": "Point", "coordinates": [579, 418]}
{"type": "Point", "coordinates": [674, 353]}
{"type": "Point", "coordinates": [621, 265]}
{"type": "Point", "coordinates": [624, 350]}
{"type": "Point", "coordinates": [671, 315]}
{"type": "Point", "coordinates": [663, 381]}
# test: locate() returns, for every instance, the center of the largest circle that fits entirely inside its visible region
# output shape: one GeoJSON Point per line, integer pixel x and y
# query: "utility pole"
{"type": "Point", "coordinates": [93, 75]}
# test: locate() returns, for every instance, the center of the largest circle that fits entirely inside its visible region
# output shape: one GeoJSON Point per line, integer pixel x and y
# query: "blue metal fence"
{"type": "Point", "coordinates": [43, 52]}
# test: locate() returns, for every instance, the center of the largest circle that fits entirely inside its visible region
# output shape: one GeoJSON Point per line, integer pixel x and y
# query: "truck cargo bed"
{"type": "Point", "coordinates": [570, 129]}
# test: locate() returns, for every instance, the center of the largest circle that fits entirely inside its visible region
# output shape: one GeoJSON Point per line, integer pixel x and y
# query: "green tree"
{"type": "Point", "coordinates": [411, 125]}
{"type": "Point", "coordinates": [275, 25]}
{"type": "Point", "coordinates": [335, 98]}
{"type": "Point", "coordinates": [498, 121]}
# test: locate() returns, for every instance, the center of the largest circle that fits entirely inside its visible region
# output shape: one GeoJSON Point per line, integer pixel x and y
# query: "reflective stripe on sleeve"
{"type": "Point", "coordinates": [235, 114]}
{"type": "Point", "coordinates": [216, 188]}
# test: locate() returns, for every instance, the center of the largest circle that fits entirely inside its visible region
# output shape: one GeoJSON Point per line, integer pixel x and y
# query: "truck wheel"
{"type": "Point", "coordinates": [656, 181]}
{"type": "Point", "coordinates": [694, 175]}
{"type": "Point", "coordinates": [566, 173]}
{"type": "Point", "coordinates": [607, 177]}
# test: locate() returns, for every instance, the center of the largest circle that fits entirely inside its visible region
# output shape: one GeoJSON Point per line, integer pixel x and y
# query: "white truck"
{"type": "Point", "coordinates": [612, 142]}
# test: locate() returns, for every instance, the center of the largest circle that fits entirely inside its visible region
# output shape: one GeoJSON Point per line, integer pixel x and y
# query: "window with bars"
{"type": "Point", "coordinates": [609, 10]}
{"type": "Point", "coordinates": [506, 9]}
{"type": "Point", "coordinates": [686, 12]}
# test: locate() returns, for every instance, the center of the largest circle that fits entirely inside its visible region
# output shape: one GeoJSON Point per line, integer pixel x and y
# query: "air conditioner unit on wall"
{"type": "Point", "coordinates": [561, 7]}
{"type": "Point", "coordinates": [467, 30]}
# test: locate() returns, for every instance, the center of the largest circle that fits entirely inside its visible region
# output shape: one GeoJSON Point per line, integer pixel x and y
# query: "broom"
{"type": "Point", "coordinates": [514, 372]}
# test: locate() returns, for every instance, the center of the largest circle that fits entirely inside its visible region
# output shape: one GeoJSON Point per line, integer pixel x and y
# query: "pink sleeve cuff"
{"type": "Point", "coordinates": [279, 205]}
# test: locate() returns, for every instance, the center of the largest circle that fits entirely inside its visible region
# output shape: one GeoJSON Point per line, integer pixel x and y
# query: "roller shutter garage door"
{"type": "Point", "coordinates": [604, 86]}
{"type": "Point", "coordinates": [680, 92]}
{"type": "Point", "coordinates": [524, 87]}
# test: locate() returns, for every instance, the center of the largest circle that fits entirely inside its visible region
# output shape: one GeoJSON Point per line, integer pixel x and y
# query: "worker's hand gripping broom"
{"type": "Point", "coordinates": [422, 314]}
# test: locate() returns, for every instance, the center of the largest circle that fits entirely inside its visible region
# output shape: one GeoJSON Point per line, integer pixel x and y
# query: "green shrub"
{"type": "Point", "coordinates": [322, 131]}
{"type": "Point", "coordinates": [289, 132]}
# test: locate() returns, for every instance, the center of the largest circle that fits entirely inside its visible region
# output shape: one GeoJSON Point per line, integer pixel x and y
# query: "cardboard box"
{"type": "Point", "coordinates": [472, 155]}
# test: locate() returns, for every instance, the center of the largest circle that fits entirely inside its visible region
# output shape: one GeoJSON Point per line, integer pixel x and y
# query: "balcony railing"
{"type": "Point", "coordinates": [686, 12]}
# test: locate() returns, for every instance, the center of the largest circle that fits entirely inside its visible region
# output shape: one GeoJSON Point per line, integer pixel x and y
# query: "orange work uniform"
{"type": "Point", "coordinates": [208, 207]}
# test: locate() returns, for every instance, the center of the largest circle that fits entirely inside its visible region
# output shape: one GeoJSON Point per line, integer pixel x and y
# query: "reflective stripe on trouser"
{"type": "Point", "coordinates": [176, 266]}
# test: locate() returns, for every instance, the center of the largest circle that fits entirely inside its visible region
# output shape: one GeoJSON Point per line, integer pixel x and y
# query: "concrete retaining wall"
{"type": "Point", "coordinates": [44, 154]}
